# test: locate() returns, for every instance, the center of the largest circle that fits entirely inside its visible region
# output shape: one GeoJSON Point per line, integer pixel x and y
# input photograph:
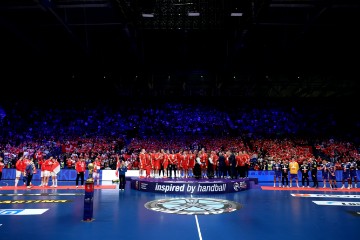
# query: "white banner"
{"type": "Point", "coordinates": [337, 203]}
{"type": "Point", "coordinates": [109, 175]}
{"type": "Point", "coordinates": [324, 195]}
{"type": "Point", "coordinates": [13, 212]}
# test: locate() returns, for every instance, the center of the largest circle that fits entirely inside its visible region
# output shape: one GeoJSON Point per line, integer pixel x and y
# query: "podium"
{"type": "Point", "coordinates": [89, 197]}
{"type": "Point", "coordinates": [88, 202]}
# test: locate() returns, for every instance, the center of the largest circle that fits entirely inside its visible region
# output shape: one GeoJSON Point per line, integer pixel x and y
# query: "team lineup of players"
{"type": "Point", "coordinates": [50, 168]}
{"type": "Point", "coordinates": [198, 164]}
{"type": "Point", "coordinates": [285, 172]}
{"type": "Point", "coordinates": [206, 164]}
{"type": "Point", "coordinates": [209, 164]}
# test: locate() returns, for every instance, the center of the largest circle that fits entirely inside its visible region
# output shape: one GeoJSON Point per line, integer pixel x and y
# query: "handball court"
{"type": "Point", "coordinates": [263, 212]}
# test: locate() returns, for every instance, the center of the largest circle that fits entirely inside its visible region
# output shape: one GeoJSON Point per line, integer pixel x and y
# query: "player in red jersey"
{"type": "Point", "coordinates": [172, 164]}
{"type": "Point", "coordinates": [47, 170]}
{"type": "Point", "coordinates": [204, 162]}
{"type": "Point", "coordinates": [179, 167]}
{"type": "Point", "coordinates": [162, 160]}
{"type": "Point", "coordinates": [20, 169]}
{"type": "Point", "coordinates": [142, 165]}
{"type": "Point", "coordinates": [215, 159]}
{"type": "Point", "coordinates": [39, 156]}
{"type": "Point", "coordinates": [96, 171]}
{"type": "Point", "coordinates": [80, 168]}
{"type": "Point", "coordinates": [191, 165]}
{"type": "Point", "coordinates": [166, 163]}
{"type": "Point", "coordinates": [148, 165]}
{"type": "Point", "coordinates": [55, 169]}
{"type": "Point", "coordinates": [185, 165]}
{"type": "Point", "coordinates": [155, 164]}
{"type": "Point", "coordinates": [42, 171]}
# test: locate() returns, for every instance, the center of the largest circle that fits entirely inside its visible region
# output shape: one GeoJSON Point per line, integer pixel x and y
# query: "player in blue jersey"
{"type": "Point", "coordinates": [313, 169]}
{"type": "Point", "coordinates": [304, 169]}
{"type": "Point", "coordinates": [332, 176]}
{"type": "Point", "coordinates": [324, 167]}
{"type": "Point", "coordinates": [353, 168]}
{"type": "Point", "coordinates": [285, 173]}
{"type": "Point", "coordinates": [277, 171]}
{"type": "Point", "coordinates": [346, 174]}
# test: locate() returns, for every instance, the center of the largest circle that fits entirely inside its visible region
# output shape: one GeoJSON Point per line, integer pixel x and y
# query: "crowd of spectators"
{"type": "Point", "coordinates": [68, 130]}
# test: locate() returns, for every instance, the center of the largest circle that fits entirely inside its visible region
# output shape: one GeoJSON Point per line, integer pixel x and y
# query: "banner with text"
{"type": "Point", "coordinates": [70, 174]}
{"type": "Point", "coordinates": [190, 187]}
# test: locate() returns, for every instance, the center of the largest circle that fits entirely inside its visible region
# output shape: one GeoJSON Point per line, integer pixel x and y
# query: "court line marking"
{"type": "Point", "coordinates": [324, 195]}
{"type": "Point", "coordinates": [197, 224]}
{"type": "Point", "coordinates": [198, 227]}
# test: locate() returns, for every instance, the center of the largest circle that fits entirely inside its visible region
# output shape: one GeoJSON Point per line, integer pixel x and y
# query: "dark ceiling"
{"type": "Point", "coordinates": [182, 44]}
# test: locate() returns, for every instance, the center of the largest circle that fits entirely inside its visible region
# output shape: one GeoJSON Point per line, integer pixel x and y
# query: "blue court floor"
{"type": "Point", "coordinates": [259, 214]}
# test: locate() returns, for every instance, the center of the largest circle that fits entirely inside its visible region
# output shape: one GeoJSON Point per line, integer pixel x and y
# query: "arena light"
{"type": "Point", "coordinates": [236, 14]}
{"type": "Point", "coordinates": [147, 15]}
{"type": "Point", "coordinates": [193, 14]}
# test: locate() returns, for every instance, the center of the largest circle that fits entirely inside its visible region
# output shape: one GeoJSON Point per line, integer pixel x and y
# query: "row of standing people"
{"type": "Point", "coordinates": [25, 168]}
{"type": "Point", "coordinates": [285, 172]}
{"type": "Point", "coordinates": [49, 170]}
{"type": "Point", "coordinates": [187, 163]}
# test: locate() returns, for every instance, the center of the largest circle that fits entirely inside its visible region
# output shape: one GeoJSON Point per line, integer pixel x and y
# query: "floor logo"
{"type": "Point", "coordinates": [239, 185]}
{"type": "Point", "coordinates": [336, 203]}
{"type": "Point", "coordinates": [33, 201]}
{"type": "Point", "coordinates": [13, 212]}
{"type": "Point", "coordinates": [193, 206]}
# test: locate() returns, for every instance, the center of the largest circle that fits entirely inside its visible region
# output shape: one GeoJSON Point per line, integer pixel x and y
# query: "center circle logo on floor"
{"type": "Point", "coordinates": [193, 206]}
